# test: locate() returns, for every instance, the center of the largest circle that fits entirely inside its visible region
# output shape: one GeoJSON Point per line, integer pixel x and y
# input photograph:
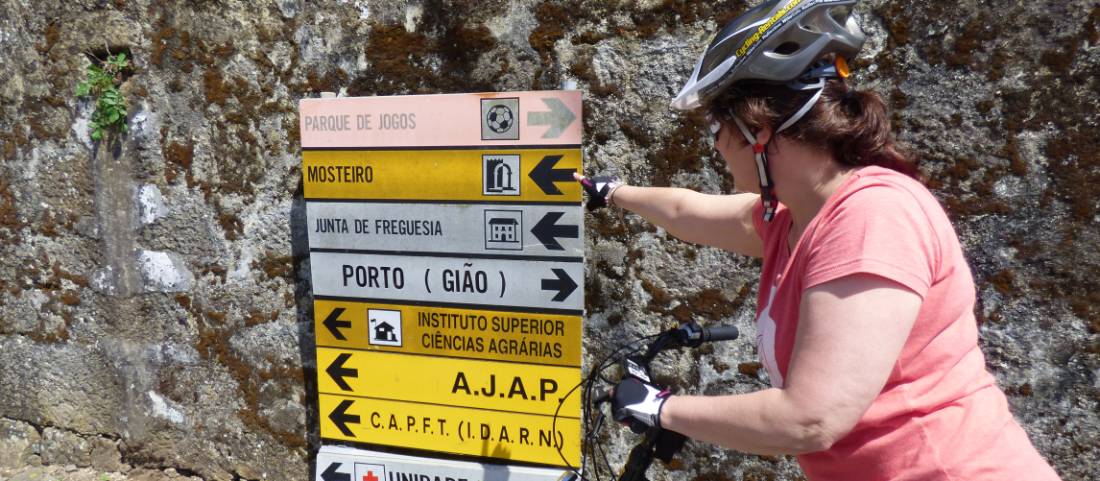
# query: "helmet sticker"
{"type": "Point", "coordinates": [749, 42]}
{"type": "Point", "coordinates": [797, 33]}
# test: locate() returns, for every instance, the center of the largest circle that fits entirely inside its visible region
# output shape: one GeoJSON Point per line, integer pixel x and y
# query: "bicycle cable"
{"type": "Point", "coordinates": [589, 383]}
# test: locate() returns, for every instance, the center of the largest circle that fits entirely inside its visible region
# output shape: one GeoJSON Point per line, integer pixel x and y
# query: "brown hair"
{"type": "Point", "coordinates": [853, 126]}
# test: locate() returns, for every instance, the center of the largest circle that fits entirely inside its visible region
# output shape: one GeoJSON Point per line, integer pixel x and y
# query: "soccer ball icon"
{"type": "Point", "coordinates": [500, 118]}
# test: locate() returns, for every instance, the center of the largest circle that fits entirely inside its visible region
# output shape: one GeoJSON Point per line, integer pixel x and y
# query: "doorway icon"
{"type": "Point", "coordinates": [501, 174]}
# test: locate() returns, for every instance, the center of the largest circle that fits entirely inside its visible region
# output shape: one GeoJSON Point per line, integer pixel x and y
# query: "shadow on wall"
{"type": "Point", "coordinates": [307, 342]}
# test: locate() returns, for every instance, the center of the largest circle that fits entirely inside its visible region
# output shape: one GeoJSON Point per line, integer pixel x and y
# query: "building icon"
{"type": "Point", "coordinates": [501, 174]}
{"type": "Point", "coordinates": [504, 230]}
{"type": "Point", "coordinates": [384, 332]}
{"type": "Point", "coordinates": [385, 327]}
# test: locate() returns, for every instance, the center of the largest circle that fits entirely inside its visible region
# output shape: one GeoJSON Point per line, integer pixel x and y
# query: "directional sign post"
{"type": "Point", "coordinates": [446, 251]}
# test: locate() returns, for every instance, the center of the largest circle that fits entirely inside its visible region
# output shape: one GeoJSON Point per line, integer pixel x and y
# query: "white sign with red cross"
{"type": "Point", "coordinates": [339, 463]}
{"type": "Point", "coordinates": [370, 472]}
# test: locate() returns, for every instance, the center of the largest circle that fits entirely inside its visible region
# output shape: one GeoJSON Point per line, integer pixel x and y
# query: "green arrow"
{"type": "Point", "coordinates": [558, 118]}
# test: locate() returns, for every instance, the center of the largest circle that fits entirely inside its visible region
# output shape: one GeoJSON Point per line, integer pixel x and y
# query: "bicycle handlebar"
{"type": "Point", "coordinates": [656, 443]}
{"type": "Point", "coordinates": [720, 333]}
{"type": "Point", "coordinates": [688, 334]}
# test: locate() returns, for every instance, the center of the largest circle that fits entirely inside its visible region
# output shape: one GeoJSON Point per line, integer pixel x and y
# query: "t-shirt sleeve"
{"type": "Point", "coordinates": [879, 230]}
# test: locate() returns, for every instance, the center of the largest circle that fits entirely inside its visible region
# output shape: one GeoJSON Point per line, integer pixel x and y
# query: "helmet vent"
{"type": "Point", "coordinates": [840, 14]}
{"type": "Point", "coordinates": [776, 41]}
{"type": "Point", "coordinates": [787, 48]}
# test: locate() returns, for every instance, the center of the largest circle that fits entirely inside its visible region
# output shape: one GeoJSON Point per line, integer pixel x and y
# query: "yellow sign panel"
{"type": "Point", "coordinates": [543, 175]}
{"type": "Point", "coordinates": [436, 427]}
{"type": "Point", "coordinates": [522, 388]}
{"type": "Point", "coordinates": [476, 334]}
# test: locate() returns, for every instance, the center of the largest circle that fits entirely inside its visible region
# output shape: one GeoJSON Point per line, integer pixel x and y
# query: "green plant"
{"type": "Point", "coordinates": [102, 85]}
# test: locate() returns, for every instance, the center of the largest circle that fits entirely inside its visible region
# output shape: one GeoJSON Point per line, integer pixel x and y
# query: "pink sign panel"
{"type": "Point", "coordinates": [451, 120]}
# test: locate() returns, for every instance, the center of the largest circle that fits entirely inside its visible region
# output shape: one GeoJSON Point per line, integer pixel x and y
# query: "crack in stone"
{"type": "Point", "coordinates": [127, 459]}
{"type": "Point", "coordinates": [41, 428]}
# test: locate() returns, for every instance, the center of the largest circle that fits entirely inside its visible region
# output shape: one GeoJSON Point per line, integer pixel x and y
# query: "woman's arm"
{"type": "Point", "coordinates": [722, 221]}
{"type": "Point", "coordinates": [850, 334]}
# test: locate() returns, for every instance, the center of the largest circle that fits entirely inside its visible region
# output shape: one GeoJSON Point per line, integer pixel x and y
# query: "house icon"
{"type": "Point", "coordinates": [384, 331]}
{"type": "Point", "coordinates": [385, 327]}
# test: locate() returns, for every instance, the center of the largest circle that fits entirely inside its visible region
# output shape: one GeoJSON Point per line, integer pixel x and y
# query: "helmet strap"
{"type": "Point", "coordinates": [767, 187]}
{"type": "Point", "coordinates": [820, 86]}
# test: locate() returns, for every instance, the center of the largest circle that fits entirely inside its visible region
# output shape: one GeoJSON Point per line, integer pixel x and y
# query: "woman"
{"type": "Point", "coordinates": [865, 310]}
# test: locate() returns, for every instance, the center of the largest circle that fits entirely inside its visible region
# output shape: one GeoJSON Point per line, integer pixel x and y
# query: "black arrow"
{"type": "Point", "coordinates": [547, 231]}
{"type": "Point", "coordinates": [544, 174]}
{"type": "Point", "coordinates": [330, 474]}
{"type": "Point", "coordinates": [563, 284]}
{"type": "Point", "coordinates": [341, 418]}
{"type": "Point", "coordinates": [334, 323]}
{"type": "Point", "coordinates": [338, 372]}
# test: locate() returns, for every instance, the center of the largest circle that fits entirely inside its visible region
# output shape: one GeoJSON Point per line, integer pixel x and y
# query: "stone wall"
{"type": "Point", "coordinates": [155, 308]}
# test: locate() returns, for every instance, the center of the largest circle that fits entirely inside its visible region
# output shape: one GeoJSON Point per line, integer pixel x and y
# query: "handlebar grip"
{"type": "Point", "coordinates": [720, 333]}
{"type": "Point", "coordinates": [602, 397]}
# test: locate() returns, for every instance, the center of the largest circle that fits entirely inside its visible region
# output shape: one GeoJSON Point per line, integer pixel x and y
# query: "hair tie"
{"type": "Point", "coordinates": [850, 102]}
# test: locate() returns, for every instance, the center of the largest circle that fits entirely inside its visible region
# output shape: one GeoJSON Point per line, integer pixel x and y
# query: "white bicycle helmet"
{"type": "Point", "coordinates": [786, 42]}
{"type": "Point", "coordinates": [777, 41]}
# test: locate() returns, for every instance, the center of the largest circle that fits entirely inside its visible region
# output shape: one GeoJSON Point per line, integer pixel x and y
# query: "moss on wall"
{"type": "Point", "coordinates": [403, 61]}
{"type": "Point", "coordinates": [215, 329]}
{"type": "Point", "coordinates": [10, 223]}
{"type": "Point", "coordinates": [998, 100]}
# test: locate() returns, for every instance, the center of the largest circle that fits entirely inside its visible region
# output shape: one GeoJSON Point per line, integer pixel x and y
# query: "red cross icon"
{"type": "Point", "coordinates": [370, 476]}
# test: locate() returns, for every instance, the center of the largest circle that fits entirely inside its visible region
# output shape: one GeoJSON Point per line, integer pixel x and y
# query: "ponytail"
{"type": "Point", "coordinates": [856, 126]}
{"type": "Point", "coordinates": [853, 126]}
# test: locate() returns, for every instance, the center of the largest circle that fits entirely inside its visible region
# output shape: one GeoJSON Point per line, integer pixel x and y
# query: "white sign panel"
{"type": "Point", "coordinates": [529, 230]}
{"type": "Point", "coordinates": [450, 280]}
{"type": "Point", "coordinates": [336, 463]}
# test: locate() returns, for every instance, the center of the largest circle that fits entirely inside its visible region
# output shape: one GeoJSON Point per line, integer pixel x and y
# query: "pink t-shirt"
{"type": "Point", "coordinates": [940, 415]}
